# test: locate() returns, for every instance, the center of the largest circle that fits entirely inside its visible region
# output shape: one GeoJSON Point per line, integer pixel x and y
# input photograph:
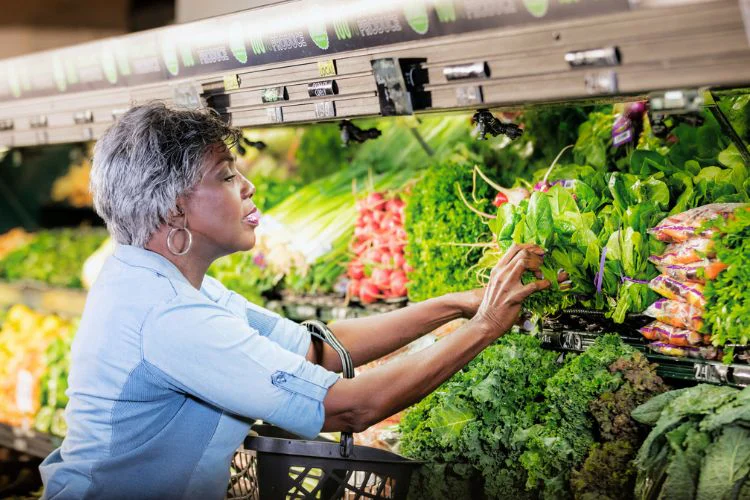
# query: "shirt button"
{"type": "Point", "coordinates": [280, 378]}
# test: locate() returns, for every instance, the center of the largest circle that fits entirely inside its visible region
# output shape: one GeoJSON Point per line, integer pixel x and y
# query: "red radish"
{"type": "Point", "coordinates": [353, 288]}
{"type": "Point", "coordinates": [394, 205]}
{"type": "Point", "coordinates": [408, 268]}
{"type": "Point", "coordinates": [360, 205]}
{"type": "Point", "coordinates": [372, 256]}
{"type": "Point", "coordinates": [377, 217]}
{"type": "Point", "coordinates": [360, 248]}
{"type": "Point", "coordinates": [356, 270]}
{"type": "Point", "coordinates": [401, 234]}
{"type": "Point", "coordinates": [368, 292]}
{"type": "Point", "coordinates": [398, 260]}
{"type": "Point", "coordinates": [385, 258]}
{"type": "Point", "coordinates": [500, 200]}
{"type": "Point", "coordinates": [381, 242]}
{"type": "Point", "coordinates": [398, 283]}
{"type": "Point", "coordinates": [375, 201]}
{"type": "Point", "coordinates": [395, 247]}
{"type": "Point", "coordinates": [381, 278]}
{"type": "Point", "coordinates": [361, 234]}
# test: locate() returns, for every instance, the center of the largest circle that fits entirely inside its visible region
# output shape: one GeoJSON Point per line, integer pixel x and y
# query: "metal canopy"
{"type": "Point", "coordinates": [304, 62]}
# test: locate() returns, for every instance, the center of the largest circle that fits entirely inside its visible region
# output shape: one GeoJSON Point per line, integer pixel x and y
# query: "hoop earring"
{"type": "Point", "coordinates": [170, 245]}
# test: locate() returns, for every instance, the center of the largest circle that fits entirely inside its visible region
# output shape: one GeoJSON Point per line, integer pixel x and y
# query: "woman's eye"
{"type": "Point", "coordinates": [230, 178]}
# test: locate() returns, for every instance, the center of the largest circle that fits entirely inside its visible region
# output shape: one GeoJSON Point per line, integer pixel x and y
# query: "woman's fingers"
{"type": "Point", "coordinates": [533, 287]}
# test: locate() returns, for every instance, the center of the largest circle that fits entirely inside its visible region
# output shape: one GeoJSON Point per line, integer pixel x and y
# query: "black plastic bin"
{"type": "Point", "coordinates": [275, 465]}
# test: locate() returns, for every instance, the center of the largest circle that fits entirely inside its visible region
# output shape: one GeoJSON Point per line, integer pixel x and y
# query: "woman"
{"type": "Point", "coordinates": [169, 368]}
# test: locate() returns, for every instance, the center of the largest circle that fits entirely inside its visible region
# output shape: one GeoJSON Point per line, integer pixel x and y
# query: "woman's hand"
{"type": "Point", "coordinates": [504, 294]}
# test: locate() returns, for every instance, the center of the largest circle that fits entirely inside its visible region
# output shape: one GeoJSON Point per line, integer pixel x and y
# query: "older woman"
{"type": "Point", "coordinates": [169, 368]}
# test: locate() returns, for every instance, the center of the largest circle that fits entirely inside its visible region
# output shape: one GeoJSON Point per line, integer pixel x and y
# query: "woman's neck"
{"type": "Point", "coordinates": [193, 265]}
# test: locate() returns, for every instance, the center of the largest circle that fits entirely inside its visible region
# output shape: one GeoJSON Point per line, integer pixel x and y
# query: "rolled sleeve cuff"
{"type": "Point", "coordinates": [308, 386]}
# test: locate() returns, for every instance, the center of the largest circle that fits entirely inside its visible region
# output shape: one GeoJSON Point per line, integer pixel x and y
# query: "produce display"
{"type": "Point", "coordinates": [13, 239]}
{"type": "Point", "coordinates": [378, 270]}
{"type": "Point", "coordinates": [51, 416]}
{"type": "Point", "coordinates": [514, 423]}
{"type": "Point", "coordinates": [594, 218]}
{"type": "Point", "coordinates": [25, 337]}
{"type": "Point", "coordinates": [699, 447]}
{"type": "Point", "coordinates": [54, 257]}
{"type": "Point", "coordinates": [73, 187]}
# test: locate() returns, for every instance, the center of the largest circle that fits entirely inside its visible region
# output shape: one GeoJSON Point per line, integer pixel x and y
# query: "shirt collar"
{"type": "Point", "coordinates": [136, 256]}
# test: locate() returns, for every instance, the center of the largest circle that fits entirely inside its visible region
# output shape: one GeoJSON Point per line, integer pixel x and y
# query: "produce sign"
{"type": "Point", "coordinates": [514, 423]}
{"type": "Point", "coordinates": [699, 447]}
{"type": "Point", "coordinates": [24, 339]}
{"type": "Point", "coordinates": [378, 270]}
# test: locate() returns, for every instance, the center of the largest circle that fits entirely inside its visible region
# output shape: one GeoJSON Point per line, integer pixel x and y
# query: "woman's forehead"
{"type": "Point", "coordinates": [215, 156]}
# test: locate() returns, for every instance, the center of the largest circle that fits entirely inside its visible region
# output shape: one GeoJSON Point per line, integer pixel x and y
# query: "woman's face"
{"type": "Point", "coordinates": [220, 213]}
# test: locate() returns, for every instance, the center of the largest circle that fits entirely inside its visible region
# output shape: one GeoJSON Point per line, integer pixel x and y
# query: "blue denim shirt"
{"type": "Point", "coordinates": [166, 380]}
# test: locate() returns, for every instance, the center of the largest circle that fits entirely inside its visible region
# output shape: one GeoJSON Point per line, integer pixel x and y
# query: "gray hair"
{"type": "Point", "coordinates": [142, 163]}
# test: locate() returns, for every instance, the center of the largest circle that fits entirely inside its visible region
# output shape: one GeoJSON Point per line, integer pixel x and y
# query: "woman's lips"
{"type": "Point", "coordinates": [253, 218]}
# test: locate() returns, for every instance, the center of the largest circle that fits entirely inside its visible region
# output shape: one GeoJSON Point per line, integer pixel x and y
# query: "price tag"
{"type": "Point", "coordinates": [711, 374]}
{"type": "Point", "coordinates": [600, 82]}
{"type": "Point", "coordinates": [274, 114]}
{"type": "Point", "coordinates": [327, 68]}
{"type": "Point", "coordinates": [25, 391]}
{"type": "Point", "coordinates": [325, 109]}
{"type": "Point", "coordinates": [273, 94]}
{"type": "Point", "coordinates": [231, 82]}
{"type": "Point", "coordinates": [187, 95]}
{"type": "Point", "coordinates": [466, 96]}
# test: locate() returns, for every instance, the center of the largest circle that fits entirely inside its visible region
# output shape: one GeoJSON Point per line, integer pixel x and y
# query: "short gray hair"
{"type": "Point", "coordinates": [142, 163]}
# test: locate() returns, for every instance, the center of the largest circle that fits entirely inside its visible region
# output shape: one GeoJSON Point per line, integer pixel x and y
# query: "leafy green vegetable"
{"type": "Point", "coordinates": [516, 423]}
{"type": "Point", "coordinates": [437, 222]}
{"type": "Point", "coordinates": [727, 311]}
{"type": "Point", "coordinates": [699, 447]}
{"type": "Point", "coordinates": [54, 257]}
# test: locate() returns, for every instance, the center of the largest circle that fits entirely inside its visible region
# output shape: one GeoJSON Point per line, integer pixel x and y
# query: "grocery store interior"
{"type": "Point", "coordinates": [399, 149]}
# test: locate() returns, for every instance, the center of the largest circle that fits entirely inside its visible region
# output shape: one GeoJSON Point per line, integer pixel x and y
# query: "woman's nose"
{"type": "Point", "coordinates": [248, 189]}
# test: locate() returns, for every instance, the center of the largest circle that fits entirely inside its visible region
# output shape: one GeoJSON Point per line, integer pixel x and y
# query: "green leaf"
{"type": "Point", "coordinates": [449, 420]}
{"type": "Point", "coordinates": [539, 223]}
{"type": "Point", "coordinates": [726, 464]}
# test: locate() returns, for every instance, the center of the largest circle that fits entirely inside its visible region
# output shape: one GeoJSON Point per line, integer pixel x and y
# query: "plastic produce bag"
{"type": "Point", "coordinates": [692, 293]}
{"type": "Point", "coordinates": [673, 335]}
{"type": "Point", "coordinates": [709, 352]}
{"type": "Point", "coordinates": [696, 272]}
{"type": "Point", "coordinates": [683, 226]}
{"type": "Point", "coordinates": [676, 313]}
{"type": "Point", "coordinates": [693, 250]}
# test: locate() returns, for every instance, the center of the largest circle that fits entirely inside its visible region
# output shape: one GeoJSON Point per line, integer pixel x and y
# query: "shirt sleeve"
{"type": "Point", "coordinates": [288, 334]}
{"type": "Point", "coordinates": [202, 349]}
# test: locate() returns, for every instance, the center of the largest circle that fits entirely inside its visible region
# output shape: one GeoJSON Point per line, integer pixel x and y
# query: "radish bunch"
{"type": "Point", "coordinates": [378, 270]}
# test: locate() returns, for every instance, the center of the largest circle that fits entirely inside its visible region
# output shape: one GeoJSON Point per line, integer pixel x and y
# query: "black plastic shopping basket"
{"type": "Point", "coordinates": [276, 465]}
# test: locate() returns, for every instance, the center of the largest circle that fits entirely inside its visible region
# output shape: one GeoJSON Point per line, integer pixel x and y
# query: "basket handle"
{"type": "Point", "coordinates": [320, 330]}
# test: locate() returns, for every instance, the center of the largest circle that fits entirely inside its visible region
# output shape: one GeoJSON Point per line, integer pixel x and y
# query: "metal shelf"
{"type": "Point", "coordinates": [43, 298]}
{"type": "Point", "coordinates": [74, 94]}
{"type": "Point", "coordinates": [27, 441]}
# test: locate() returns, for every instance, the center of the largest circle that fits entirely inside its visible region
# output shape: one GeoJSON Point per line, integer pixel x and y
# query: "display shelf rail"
{"type": "Point", "coordinates": [28, 441]}
{"type": "Point", "coordinates": [682, 369]}
{"type": "Point", "coordinates": [43, 298]}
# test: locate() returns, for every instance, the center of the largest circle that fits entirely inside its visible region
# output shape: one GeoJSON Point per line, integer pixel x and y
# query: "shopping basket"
{"type": "Point", "coordinates": [275, 465]}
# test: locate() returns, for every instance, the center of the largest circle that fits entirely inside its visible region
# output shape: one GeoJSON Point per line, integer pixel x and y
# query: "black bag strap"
{"type": "Point", "coordinates": [320, 330]}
